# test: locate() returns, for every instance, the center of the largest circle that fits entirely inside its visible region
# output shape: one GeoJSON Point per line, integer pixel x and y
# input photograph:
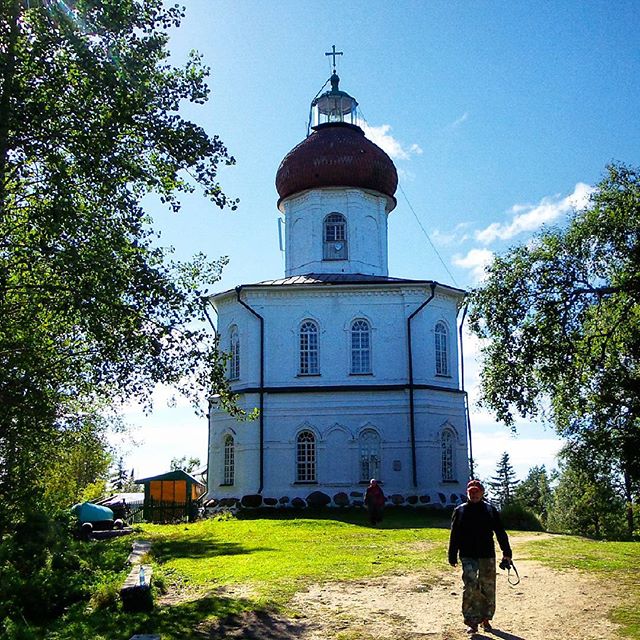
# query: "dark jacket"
{"type": "Point", "coordinates": [472, 529]}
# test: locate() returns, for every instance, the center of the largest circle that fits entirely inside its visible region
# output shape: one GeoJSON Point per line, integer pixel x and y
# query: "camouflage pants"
{"type": "Point", "coordinates": [479, 594]}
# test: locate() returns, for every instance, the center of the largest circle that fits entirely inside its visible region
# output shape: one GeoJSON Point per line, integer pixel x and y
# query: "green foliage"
{"type": "Point", "coordinates": [106, 594]}
{"type": "Point", "coordinates": [189, 465]}
{"type": "Point", "coordinates": [78, 462]}
{"type": "Point", "coordinates": [560, 319]}
{"type": "Point", "coordinates": [43, 569]}
{"type": "Point", "coordinates": [535, 492]}
{"type": "Point", "coordinates": [91, 308]}
{"type": "Point", "coordinates": [503, 484]}
{"type": "Point", "coordinates": [516, 516]}
{"type": "Point", "coordinates": [286, 553]}
{"type": "Point", "coordinates": [122, 479]}
{"type": "Point", "coordinates": [586, 503]}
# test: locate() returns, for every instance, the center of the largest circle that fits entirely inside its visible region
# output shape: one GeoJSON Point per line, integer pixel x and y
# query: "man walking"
{"type": "Point", "coordinates": [472, 528]}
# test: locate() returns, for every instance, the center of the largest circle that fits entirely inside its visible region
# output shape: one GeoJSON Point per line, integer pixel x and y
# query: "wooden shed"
{"type": "Point", "coordinates": [171, 496]}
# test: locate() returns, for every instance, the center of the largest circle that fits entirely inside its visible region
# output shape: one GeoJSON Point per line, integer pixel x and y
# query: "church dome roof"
{"type": "Point", "coordinates": [337, 154]}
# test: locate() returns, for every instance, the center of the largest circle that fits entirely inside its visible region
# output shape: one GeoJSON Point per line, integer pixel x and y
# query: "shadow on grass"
{"type": "Point", "coordinates": [394, 517]}
{"type": "Point", "coordinates": [198, 547]}
{"type": "Point", "coordinates": [207, 617]}
{"type": "Point", "coordinates": [255, 625]}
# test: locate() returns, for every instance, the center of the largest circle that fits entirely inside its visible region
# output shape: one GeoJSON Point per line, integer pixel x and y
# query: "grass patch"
{"type": "Point", "coordinates": [277, 556]}
{"type": "Point", "coordinates": [264, 558]}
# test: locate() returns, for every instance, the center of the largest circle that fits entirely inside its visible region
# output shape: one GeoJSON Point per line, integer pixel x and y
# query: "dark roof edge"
{"type": "Point", "coordinates": [344, 283]}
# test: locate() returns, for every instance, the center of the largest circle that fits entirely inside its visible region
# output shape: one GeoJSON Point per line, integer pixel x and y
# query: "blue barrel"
{"type": "Point", "coordinates": [89, 512]}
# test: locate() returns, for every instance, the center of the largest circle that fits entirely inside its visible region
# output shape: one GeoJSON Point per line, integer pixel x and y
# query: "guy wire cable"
{"type": "Point", "coordinates": [415, 215]}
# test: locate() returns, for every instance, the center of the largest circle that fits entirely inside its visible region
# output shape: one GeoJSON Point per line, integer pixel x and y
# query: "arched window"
{"type": "Point", "coordinates": [306, 457]}
{"type": "Point", "coordinates": [442, 349]}
{"type": "Point", "coordinates": [234, 350]}
{"type": "Point", "coordinates": [447, 442]}
{"type": "Point", "coordinates": [335, 237]}
{"type": "Point", "coordinates": [309, 361]}
{"type": "Point", "coordinates": [229, 460]}
{"type": "Point", "coordinates": [360, 347]}
{"type": "Point", "coordinates": [369, 455]}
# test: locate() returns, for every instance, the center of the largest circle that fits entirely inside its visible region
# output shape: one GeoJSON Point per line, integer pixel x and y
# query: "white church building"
{"type": "Point", "coordinates": [355, 373]}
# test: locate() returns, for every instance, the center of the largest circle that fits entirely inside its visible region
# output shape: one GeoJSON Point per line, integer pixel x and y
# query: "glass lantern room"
{"type": "Point", "coordinates": [334, 106]}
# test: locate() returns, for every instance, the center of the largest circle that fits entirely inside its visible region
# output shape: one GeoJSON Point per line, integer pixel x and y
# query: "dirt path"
{"type": "Point", "coordinates": [546, 605]}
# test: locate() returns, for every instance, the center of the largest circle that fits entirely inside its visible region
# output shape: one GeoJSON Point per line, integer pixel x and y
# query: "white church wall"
{"type": "Point", "coordinates": [304, 231]}
{"type": "Point", "coordinates": [441, 309]}
{"type": "Point", "coordinates": [246, 451]}
{"type": "Point", "coordinates": [333, 310]}
{"type": "Point", "coordinates": [337, 420]}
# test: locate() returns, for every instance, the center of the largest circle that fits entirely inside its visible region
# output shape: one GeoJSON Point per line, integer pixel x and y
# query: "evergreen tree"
{"type": "Point", "coordinates": [503, 483]}
{"type": "Point", "coordinates": [535, 492]}
{"type": "Point", "coordinates": [119, 477]}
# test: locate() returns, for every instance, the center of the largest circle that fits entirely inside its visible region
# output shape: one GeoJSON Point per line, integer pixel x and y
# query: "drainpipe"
{"type": "Point", "coordinates": [466, 396]}
{"type": "Point", "coordinates": [261, 319]}
{"type": "Point", "coordinates": [412, 420]}
{"type": "Point", "coordinates": [206, 300]}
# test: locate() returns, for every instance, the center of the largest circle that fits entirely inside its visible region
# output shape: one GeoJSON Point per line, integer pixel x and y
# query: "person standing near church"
{"type": "Point", "coordinates": [374, 501]}
{"type": "Point", "coordinates": [472, 527]}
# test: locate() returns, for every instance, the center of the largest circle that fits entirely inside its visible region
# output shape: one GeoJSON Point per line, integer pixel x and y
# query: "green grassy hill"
{"type": "Point", "coordinates": [268, 557]}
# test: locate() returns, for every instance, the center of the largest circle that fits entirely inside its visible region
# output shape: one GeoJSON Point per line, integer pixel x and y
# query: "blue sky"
{"type": "Point", "coordinates": [500, 117]}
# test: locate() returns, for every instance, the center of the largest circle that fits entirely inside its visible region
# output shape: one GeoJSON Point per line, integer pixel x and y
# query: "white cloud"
{"type": "Point", "coordinates": [462, 119]}
{"type": "Point", "coordinates": [382, 137]}
{"type": "Point", "coordinates": [169, 432]}
{"type": "Point", "coordinates": [532, 445]}
{"type": "Point", "coordinates": [524, 453]}
{"type": "Point", "coordinates": [528, 218]}
{"type": "Point", "coordinates": [457, 236]}
{"type": "Point", "coordinates": [475, 260]}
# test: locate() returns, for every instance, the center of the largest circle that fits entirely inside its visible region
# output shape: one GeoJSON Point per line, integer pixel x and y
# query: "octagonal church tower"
{"type": "Point", "coordinates": [355, 373]}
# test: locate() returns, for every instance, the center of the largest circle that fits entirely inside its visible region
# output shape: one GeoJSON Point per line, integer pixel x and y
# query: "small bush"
{"type": "Point", "coordinates": [107, 595]}
{"type": "Point", "coordinates": [515, 516]}
{"type": "Point", "coordinates": [44, 569]}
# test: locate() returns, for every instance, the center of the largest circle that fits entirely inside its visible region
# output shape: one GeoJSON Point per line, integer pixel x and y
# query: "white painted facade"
{"type": "Point", "coordinates": [366, 231]}
{"type": "Point", "coordinates": [325, 353]}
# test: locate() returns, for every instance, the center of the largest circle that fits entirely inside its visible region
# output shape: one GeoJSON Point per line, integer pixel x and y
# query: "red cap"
{"type": "Point", "coordinates": [475, 485]}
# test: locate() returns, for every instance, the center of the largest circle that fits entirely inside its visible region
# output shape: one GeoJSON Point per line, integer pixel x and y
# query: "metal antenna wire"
{"type": "Point", "coordinates": [415, 215]}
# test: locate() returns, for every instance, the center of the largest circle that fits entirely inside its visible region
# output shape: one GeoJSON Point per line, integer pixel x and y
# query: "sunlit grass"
{"type": "Point", "coordinates": [228, 568]}
{"type": "Point", "coordinates": [277, 556]}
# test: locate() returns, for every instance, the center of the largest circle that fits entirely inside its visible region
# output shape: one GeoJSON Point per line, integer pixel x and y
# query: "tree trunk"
{"type": "Point", "coordinates": [628, 494]}
{"type": "Point", "coordinates": [6, 91]}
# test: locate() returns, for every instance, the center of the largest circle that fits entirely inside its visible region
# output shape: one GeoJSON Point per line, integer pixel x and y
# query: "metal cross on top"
{"type": "Point", "coordinates": [333, 54]}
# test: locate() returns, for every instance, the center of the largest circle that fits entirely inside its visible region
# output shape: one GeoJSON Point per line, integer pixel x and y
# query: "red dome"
{"type": "Point", "coordinates": [337, 154]}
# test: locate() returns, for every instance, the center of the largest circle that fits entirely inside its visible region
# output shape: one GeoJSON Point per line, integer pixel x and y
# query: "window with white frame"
{"type": "Point", "coordinates": [234, 351]}
{"type": "Point", "coordinates": [229, 460]}
{"type": "Point", "coordinates": [309, 360]}
{"type": "Point", "coordinates": [306, 457]}
{"type": "Point", "coordinates": [447, 442]}
{"type": "Point", "coordinates": [442, 349]}
{"type": "Point", "coordinates": [335, 237]}
{"type": "Point", "coordinates": [369, 455]}
{"type": "Point", "coordinates": [360, 347]}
